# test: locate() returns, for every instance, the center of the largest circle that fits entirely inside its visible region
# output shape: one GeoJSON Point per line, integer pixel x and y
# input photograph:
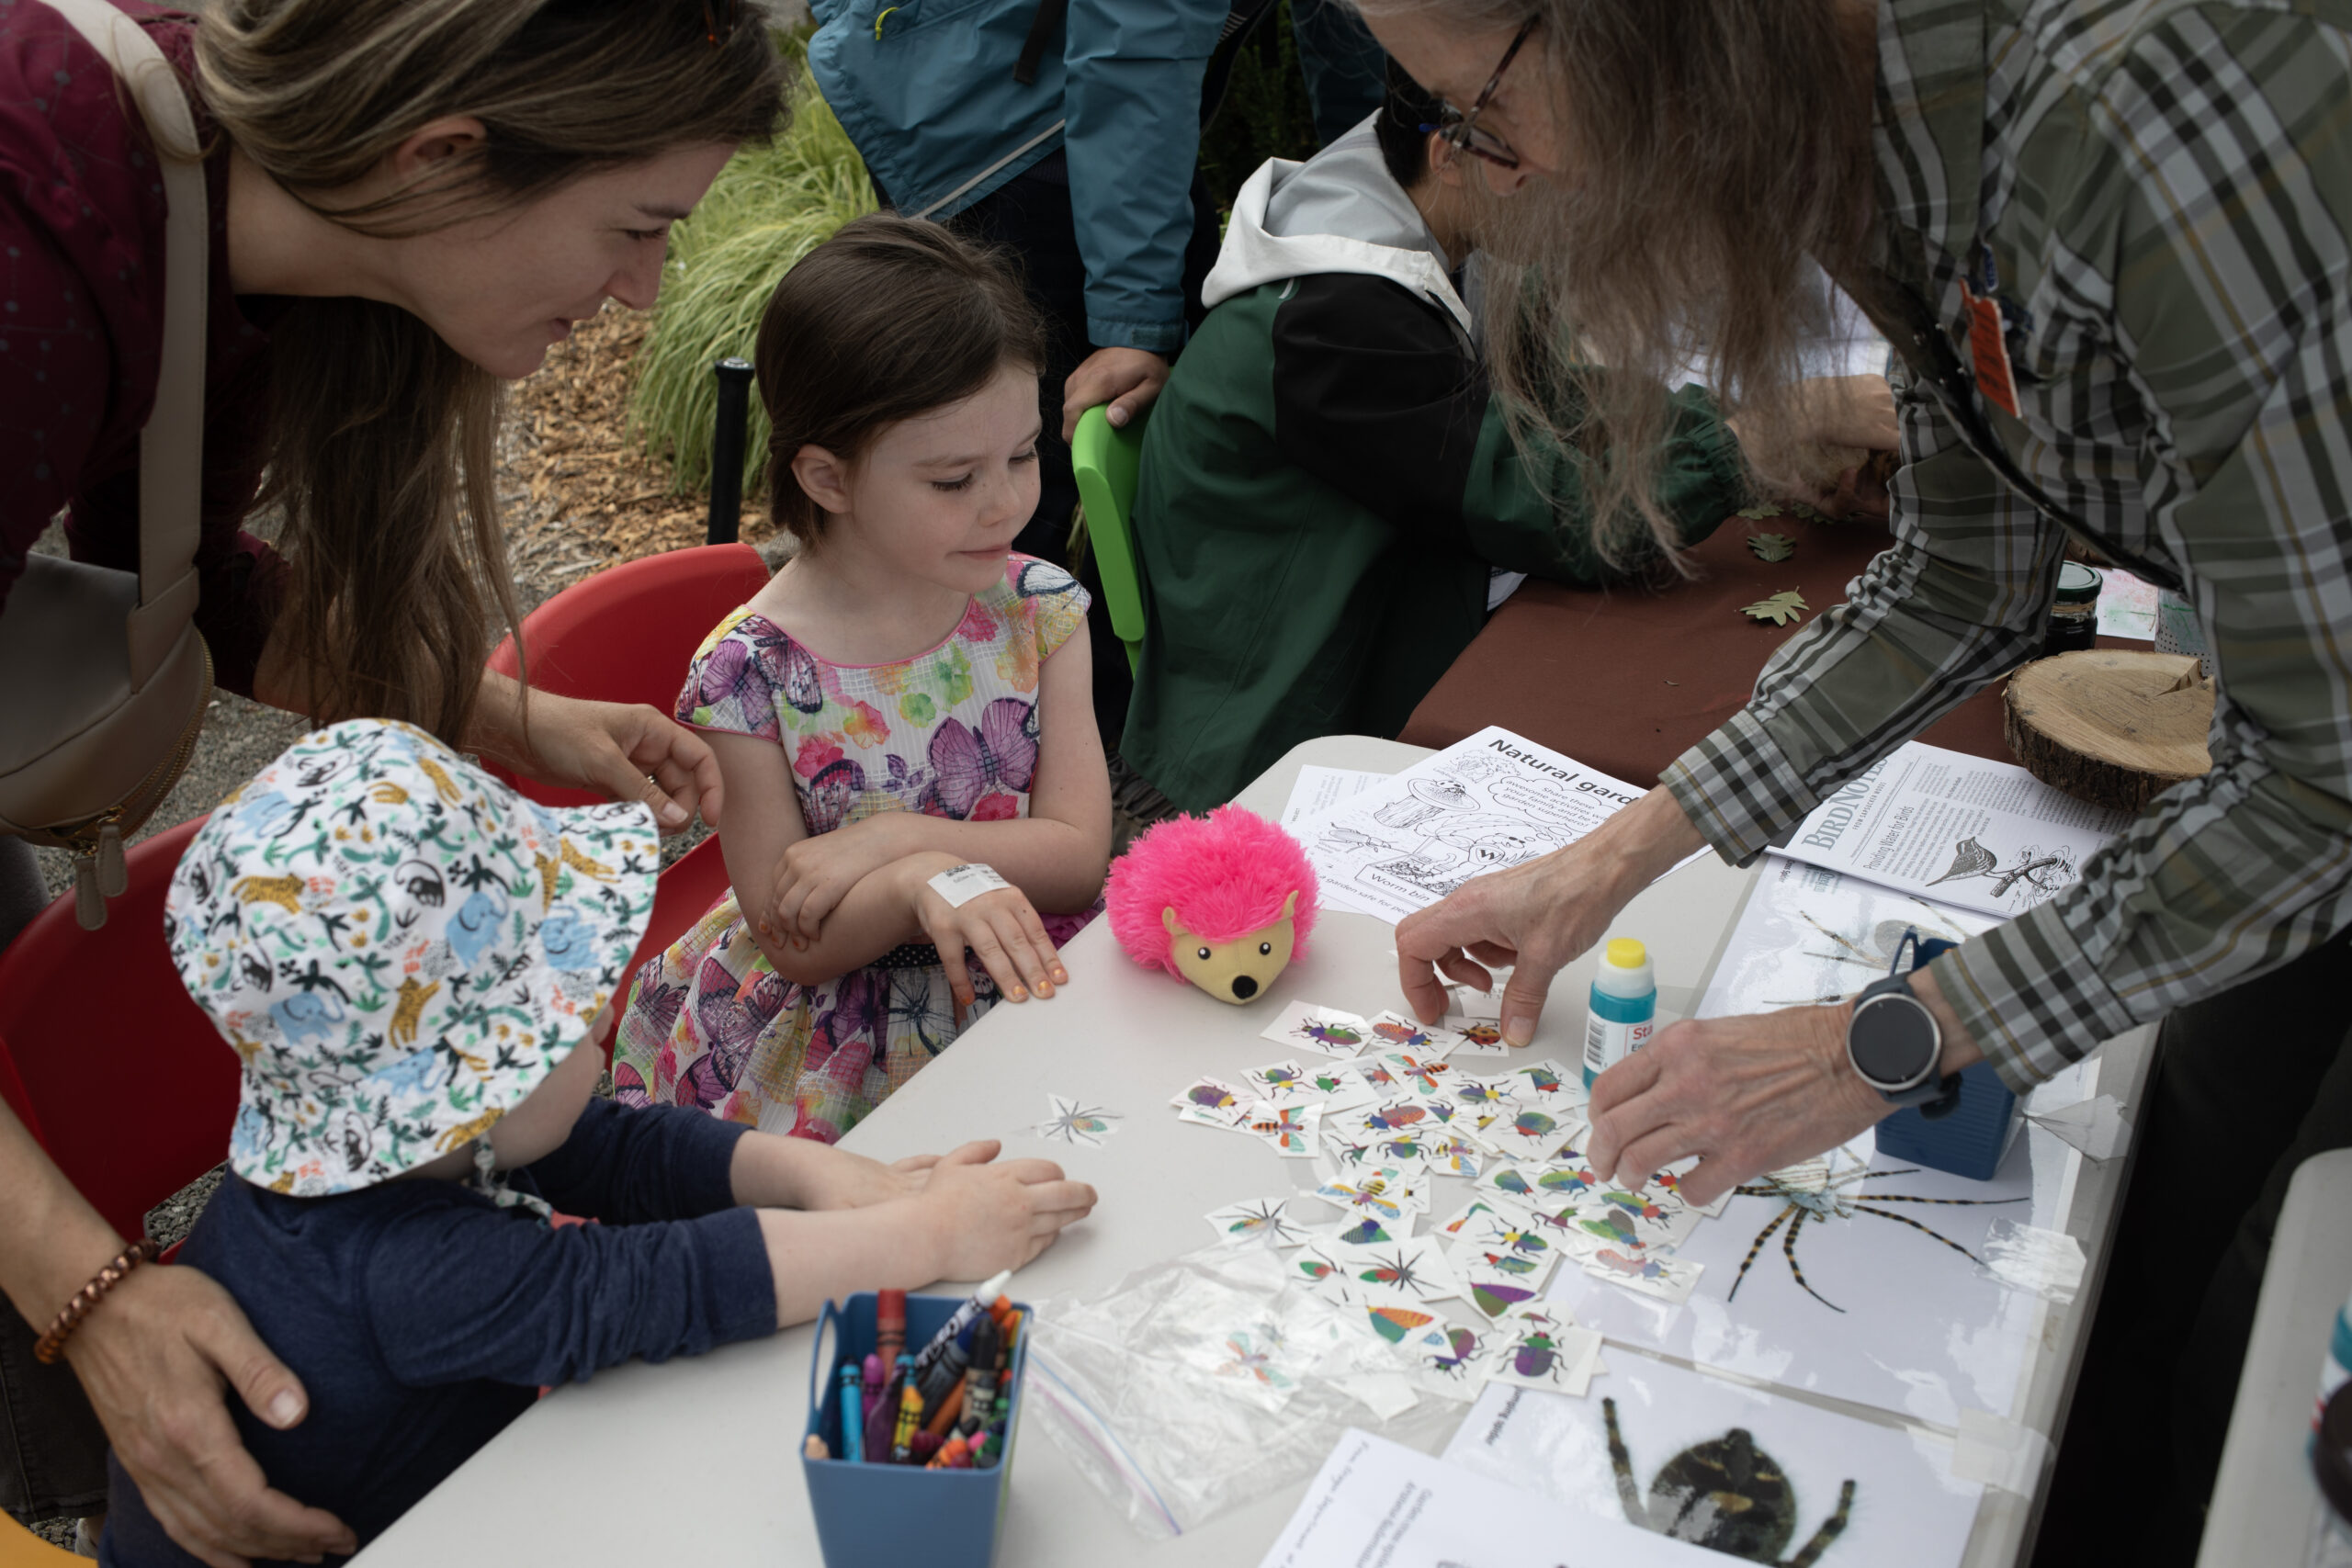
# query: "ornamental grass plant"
{"type": "Point", "coordinates": [769, 206]}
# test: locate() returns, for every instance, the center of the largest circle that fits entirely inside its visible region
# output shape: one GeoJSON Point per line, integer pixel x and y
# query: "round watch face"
{"type": "Point", "coordinates": [1893, 1040]}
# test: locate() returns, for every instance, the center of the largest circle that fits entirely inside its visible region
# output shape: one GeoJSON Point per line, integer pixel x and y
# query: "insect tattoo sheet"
{"type": "Point", "coordinates": [1482, 804]}
{"type": "Point", "coordinates": [1986, 835]}
{"type": "Point", "coordinates": [1378, 1502]}
{"type": "Point", "coordinates": [1867, 1496]}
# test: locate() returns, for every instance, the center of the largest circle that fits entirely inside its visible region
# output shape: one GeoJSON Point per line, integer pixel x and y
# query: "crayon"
{"type": "Point", "coordinates": [890, 1325]}
{"type": "Point", "coordinates": [954, 1454]}
{"type": "Point", "coordinates": [875, 1377]}
{"type": "Point", "coordinates": [922, 1447]}
{"type": "Point", "coordinates": [853, 1418]}
{"type": "Point", "coordinates": [952, 1331]}
{"type": "Point", "coordinates": [910, 1411]}
{"type": "Point", "coordinates": [881, 1423]}
{"type": "Point", "coordinates": [979, 1383]}
{"type": "Point", "coordinates": [991, 1448]}
{"type": "Point", "coordinates": [815, 1447]}
{"type": "Point", "coordinates": [943, 1419]}
{"type": "Point", "coordinates": [945, 1371]}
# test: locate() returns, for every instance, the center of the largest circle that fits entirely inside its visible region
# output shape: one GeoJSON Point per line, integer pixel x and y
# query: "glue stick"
{"type": "Point", "coordinates": [1624, 1007]}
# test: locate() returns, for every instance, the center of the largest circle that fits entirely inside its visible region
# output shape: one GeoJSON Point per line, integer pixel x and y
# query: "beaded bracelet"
{"type": "Point", "coordinates": [52, 1343]}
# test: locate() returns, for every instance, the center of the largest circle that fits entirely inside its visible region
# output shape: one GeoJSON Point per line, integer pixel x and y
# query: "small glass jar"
{"type": "Point", "coordinates": [2074, 614]}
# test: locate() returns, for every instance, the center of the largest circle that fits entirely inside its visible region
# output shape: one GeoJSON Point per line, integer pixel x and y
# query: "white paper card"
{"type": "Point", "coordinates": [959, 885]}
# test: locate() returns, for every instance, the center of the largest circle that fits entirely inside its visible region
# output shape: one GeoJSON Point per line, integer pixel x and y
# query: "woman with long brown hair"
{"type": "Point", "coordinates": [2113, 245]}
{"type": "Point", "coordinates": [410, 201]}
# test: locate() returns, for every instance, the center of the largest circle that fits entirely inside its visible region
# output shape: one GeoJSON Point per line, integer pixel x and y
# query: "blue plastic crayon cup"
{"type": "Point", "coordinates": [870, 1514]}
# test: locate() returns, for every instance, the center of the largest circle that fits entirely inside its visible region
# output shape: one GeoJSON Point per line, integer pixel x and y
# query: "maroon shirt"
{"type": "Point", "coordinates": [82, 214]}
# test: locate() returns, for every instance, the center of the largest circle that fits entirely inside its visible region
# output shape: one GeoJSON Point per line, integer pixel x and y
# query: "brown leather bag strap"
{"type": "Point", "coordinates": [170, 447]}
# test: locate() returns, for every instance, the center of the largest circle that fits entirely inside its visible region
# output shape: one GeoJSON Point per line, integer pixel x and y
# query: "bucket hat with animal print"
{"type": "Point", "coordinates": [398, 947]}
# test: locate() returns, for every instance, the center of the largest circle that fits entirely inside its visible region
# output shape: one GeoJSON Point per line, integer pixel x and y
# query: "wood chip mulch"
{"type": "Point", "coordinates": [579, 491]}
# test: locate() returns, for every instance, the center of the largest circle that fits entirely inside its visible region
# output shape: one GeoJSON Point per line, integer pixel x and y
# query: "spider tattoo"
{"type": "Point", "coordinates": [1830, 1197]}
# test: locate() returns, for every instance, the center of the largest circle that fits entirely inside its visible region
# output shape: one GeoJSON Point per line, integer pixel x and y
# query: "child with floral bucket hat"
{"type": "Point", "coordinates": [407, 957]}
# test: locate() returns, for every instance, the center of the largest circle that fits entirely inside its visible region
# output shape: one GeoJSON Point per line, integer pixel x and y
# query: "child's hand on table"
{"type": "Point", "coordinates": [982, 1216]}
{"type": "Point", "coordinates": [1000, 928]}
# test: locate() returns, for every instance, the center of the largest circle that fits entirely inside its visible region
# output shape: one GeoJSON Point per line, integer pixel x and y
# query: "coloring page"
{"type": "Point", "coordinates": [1211, 1102]}
{"type": "Point", "coordinates": [1492, 801]}
{"type": "Point", "coordinates": [1377, 1502]}
{"type": "Point", "coordinates": [1537, 1346]}
{"type": "Point", "coordinates": [1986, 835]}
{"type": "Point", "coordinates": [1809, 937]}
{"type": "Point", "coordinates": [1261, 1219]}
{"type": "Point", "coordinates": [1278, 1081]}
{"type": "Point", "coordinates": [1068, 1122]}
{"type": "Point", "coordinates": [1855, 1276]}
{"type": "Point", "coordinates": [1327, 1030]}
{"type": "Point", "coordinates": [1856, 1494]}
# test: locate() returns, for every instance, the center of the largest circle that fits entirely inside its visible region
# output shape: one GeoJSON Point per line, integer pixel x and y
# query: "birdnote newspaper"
{"type": "Point", "coordinates": [1983, 835]}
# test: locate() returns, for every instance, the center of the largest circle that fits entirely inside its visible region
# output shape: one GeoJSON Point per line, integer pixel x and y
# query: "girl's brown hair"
{"type": "Point", "coordinates": [383, 439]}
{"type": "Point", "coordinates": [1718, 149]}
{"type": "Point", "coordinates": [889, 319]}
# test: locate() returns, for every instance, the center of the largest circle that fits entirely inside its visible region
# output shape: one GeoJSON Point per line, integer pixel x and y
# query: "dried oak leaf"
{"type": "Point", "coordinates": [1771, 546]}
{"type": "Point", "coordinates": [1780, 609]}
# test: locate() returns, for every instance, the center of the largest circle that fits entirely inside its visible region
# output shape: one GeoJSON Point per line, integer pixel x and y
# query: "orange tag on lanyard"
{"type": "Point", "coordinates": [1989, 348]}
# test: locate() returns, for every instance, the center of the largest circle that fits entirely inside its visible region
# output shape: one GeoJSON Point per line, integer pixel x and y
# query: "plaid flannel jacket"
{"type": "Point", "coordinates": [2160, 192]}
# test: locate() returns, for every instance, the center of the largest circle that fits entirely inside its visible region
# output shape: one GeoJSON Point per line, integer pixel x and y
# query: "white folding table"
{"type": "Point", "coordinates": [699, 1460]}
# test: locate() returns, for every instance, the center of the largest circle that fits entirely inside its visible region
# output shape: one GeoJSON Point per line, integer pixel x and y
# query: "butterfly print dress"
{"type": "Point", "coordinates": [952, 732]}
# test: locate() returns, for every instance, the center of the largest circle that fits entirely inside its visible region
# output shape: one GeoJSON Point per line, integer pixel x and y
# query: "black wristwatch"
{"type": "Point", "coordinates": [1893, 1040]}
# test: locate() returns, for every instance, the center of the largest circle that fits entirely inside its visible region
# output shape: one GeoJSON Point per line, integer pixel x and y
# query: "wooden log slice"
{"type": "Point", "coordinates": [2110, 725]}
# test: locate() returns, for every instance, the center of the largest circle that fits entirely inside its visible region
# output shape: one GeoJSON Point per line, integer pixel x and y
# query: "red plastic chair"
{"type": "Point", "coordinates": [116, 1072]}
{"type": "Point", "coordinates": [626, 636]}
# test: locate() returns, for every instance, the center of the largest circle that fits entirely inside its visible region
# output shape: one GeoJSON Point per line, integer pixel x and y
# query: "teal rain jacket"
{"type": "Point", "coordinates": [926, 90]}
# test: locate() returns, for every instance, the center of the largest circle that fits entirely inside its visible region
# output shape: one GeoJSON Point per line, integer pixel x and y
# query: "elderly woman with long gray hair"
{"type": "Point", "coordinates": [409, 202]}
{"type": "Point", "coordinates": [2110, 245]}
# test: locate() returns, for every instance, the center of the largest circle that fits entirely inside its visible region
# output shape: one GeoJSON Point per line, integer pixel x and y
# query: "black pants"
{"type": "Point", "coordinates": [1030, 215]}
{"type": "Point", "coordinates": [52, 1451]}
{"type": "Point", "coordinates": [2247, 1086]}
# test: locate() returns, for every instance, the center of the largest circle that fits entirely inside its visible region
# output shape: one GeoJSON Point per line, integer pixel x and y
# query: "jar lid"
{"type": "Point", "coordinates": [2332, 1452]}
{"type": "Point", "coordinates": [2077, 584]}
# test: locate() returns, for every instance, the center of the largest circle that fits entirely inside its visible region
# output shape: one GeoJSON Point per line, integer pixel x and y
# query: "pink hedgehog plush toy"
{"type": "Point", "coordinates": [1223, 900]}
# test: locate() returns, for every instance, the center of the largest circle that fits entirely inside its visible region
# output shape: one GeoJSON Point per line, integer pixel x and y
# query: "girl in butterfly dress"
{"type": "Point", "coordinates": [904, 696]}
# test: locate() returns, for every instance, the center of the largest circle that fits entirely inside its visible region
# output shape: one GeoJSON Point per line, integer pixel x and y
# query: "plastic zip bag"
{"type": "Point", "coordinates": [1196, 1385]}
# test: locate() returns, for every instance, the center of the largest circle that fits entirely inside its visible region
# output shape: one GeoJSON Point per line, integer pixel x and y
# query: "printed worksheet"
{"type": "Point", "coordinates": [1378, 1502]}
{"type": "Point", "coordinates": [1481, 804]}
{"type": "Point", "coordinates": [1808, 937]}
{"type": "Point", "coordinates": [1983, 835]}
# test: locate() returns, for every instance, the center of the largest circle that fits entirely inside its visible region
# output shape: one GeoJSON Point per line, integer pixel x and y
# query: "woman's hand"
{"type": "Point", "coordinates": [154, 1360]}
{"type": "Point", "coordinates": [1538, 917]}
{"type": "Point", "coordinates": [626, 750]}
{"type": "Point", "coordinates": [816, 872]}
{"type": "Point", "coordinates": [1000, 927]}
{"type": "Point", "coordinates": [1842, 427]}
{"type": "Point", "coordinates": [983, 1217]}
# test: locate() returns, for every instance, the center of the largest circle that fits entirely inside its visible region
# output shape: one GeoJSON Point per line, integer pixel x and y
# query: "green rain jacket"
{"type": "Point", "coordinates": [1328, 489]}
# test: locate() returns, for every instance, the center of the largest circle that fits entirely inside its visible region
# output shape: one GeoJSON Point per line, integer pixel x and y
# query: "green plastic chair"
{"type": "Point", "coordinates": [1106, 461]}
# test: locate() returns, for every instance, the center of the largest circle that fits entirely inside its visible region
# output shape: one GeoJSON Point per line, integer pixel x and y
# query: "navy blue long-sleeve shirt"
{"type": "Point", "coordinates": [422, 1318]}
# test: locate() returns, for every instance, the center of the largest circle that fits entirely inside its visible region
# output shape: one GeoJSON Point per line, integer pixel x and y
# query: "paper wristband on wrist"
{"type": "Point", "coordinates": [959, 885]}
{"type": "Point", "coordinates": [52, 1343]}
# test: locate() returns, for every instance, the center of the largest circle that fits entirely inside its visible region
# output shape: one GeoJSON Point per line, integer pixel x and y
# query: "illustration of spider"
{"type": "Point", "coordinates": [1817, 1189]}
{"type": "Point", "coordinates": [1265, 1217]}
{"type": "Point", "coordinates": [1725, 1494]}
{"type": "Point", "coordinates": [1074, 1123]}
{"type": "Point", "coordinates": [1396, 1271]}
